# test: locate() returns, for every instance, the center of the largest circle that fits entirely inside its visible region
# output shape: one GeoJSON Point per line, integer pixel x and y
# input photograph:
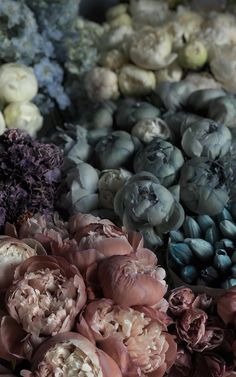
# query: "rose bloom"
{"type": "Point", "coordinates": [46, 295]}
{"type": "Point", "coordinates": [180, 300]}
{"type": "Point", "coordinates": [191, 326]}
{"type": "Point", "coordinates": [137, 340]}
{"type": "Point", "coordinates": [226, 306]}
{"type": "Point", "coordinates": [12, 253]}
{"type": "Point", "coordinates": [71, 355]}
{"type": "Point", "coordinates": [133, 279]}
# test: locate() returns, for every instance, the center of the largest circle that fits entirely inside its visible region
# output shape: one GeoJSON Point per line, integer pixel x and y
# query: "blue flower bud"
{"type": "Point", "coordinates": [176, 236]}
{"type": "Point", "coordinates": [189, 274]}
{"type": "Point", "coordinates": [201, 248]}
{"type": "Point", "coordinates": [209, 275]}
{"type": "Point", "coordinates": [222, 261]}
{"type": "Point", "coordinates": [228, 229]}
{"type": "Point", "coordinates": [191, 228]}
{"type": "Point", "coordinates": [180, 253]}
{"type": "Point", "coordinates": [224, 215]}
{"type": "Point", "coordinates": [225, 243]}
{"type": "Point", "coordinates": [205, 222]}
{"type": "Point", "coordinates": [232, 208]}
{"type": "Point", "coordinates": [212, 234]}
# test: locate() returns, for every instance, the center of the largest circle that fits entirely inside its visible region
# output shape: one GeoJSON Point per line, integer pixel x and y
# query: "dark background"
{"type": "Point", "coordinates": [95, 9]}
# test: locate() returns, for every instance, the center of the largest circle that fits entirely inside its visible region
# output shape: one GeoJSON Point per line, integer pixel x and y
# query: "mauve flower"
{"type": "Point", "coordinates": [180, 300]}
{"type": "Point", "coordinates": [226, 306]}
{"type": "Point", "coordinates": [183, 364]}
{"type": "Point", "coordinates": [71, 354]}
{"type": "Point", "coordinates": [12, 253]}
{"type": "Point", "coordinates": [137, 340]}
{"type": "Point", "coordinates": [95, 239]}
{"type": "Point", "coordinates": [133, 279]}
{"type": "Point", "coordinates": [44, 230]}
{"type": "Point", "coordinates": [191, 327]}
{"type": "Point", "coordinates": [45, 297]}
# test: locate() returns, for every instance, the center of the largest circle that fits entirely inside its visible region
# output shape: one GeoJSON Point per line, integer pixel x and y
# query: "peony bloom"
{"type": "Point", "coordinates": [25, 116]}
{"type": "Point", "coordinates": [12, 253]}
{"type": "Point", "coordinates": [135, 339]}
{"type": "Point", "coordinates": [45, 297]}
{"type": "Point", "coordinates": [17, 83]}
{"type": "Point", "coordinates": [226, 307]}
{"type": "Point", "coordinates": [91, 232]}
{"type": "Point", "coordinates": [180, 300]}
{"type": "Point", "coordinates": [70, 354]}
{"type": "Point", "coordinates": [102, 84]}
{"type": "Point", "coordinates": [43, 230]}
{"type": "Point", "coordinates": [134, 279]}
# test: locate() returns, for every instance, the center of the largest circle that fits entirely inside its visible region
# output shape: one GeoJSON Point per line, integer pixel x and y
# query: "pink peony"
{"type": "Point", "coordinates": [133, 279]}
{"type": "Point", "coordinates": [137, 340]}
{"type": "Point", "coordinates": [12, 253]}
{"type": "Point", "coordinates": [70, 354]}
{"type": "Point", "coordinates": [45, 298]}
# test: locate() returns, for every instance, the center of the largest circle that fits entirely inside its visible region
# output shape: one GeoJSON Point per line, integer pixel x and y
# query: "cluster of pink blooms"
{"type": "Point", "coordinates": [83, 298]}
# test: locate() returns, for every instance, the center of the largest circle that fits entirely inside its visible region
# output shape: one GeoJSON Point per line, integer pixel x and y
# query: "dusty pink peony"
{"type": "Point", "coordinates": [137, 340]}
{"type": "Point", "coordinates": [47, 232]}
{"type": "Point", "coordinates": [93, 233]}
{"type": "Point", "coordinates": [226, 306]}
{"type": "Point", "coordinates": [71, 354]}
{"type": "Point", "coordinates": [133, 279]}
{"type": "Point", "coordinates": [12, 253]}
{"type": "Point", "coordinates": [45, 297]}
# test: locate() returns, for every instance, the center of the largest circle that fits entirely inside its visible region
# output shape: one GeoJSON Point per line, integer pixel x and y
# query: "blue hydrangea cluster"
{"type": "Point", "coordinates": [25, 38]}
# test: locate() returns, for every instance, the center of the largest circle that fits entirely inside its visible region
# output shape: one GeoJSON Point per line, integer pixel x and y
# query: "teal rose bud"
{"type": "Point", "coordinates": [160, 158]}
{"type": "Point", "coordinates": [131, 111]}
{"type": "Point", "coordinates": [173, 95]}
{"type": "Point", "coordinates": [222, 261]}
{"type": "Point", "coordinates": [223, 110]}
{"type": "Point", "coordinates": [144, 201]}
{"type": "Point", "coordinates": [206, 138]}
{"type": "Point", "coordinates": [116, 149]}
{"type": "Point", "coordinates": [203, 186]}
{"type": "Point", "coordinates": [199, 100]}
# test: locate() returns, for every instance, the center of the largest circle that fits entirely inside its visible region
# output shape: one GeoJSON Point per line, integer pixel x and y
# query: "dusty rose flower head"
{"type": "Point", "coordinates": [133, 279]}
{"type": "Point", "coordinates": [180, 300]}
{"type": "Point", "coordinates": [46, 296]}
{"type": "Point", "coordinates": [193, 329]}
{"type": "Point", "coordinates": [93, 233]}
{"type": "Point", "coordinates": [226, 306]}
{"type": "Point", "coordinates": [135, 339]}
{"type": "Point", "coordinates": [44, 230]}
{"type": "Point", "coordinates": [71, 354]}
{"type": "Point", "coordinates": [12, 253]}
